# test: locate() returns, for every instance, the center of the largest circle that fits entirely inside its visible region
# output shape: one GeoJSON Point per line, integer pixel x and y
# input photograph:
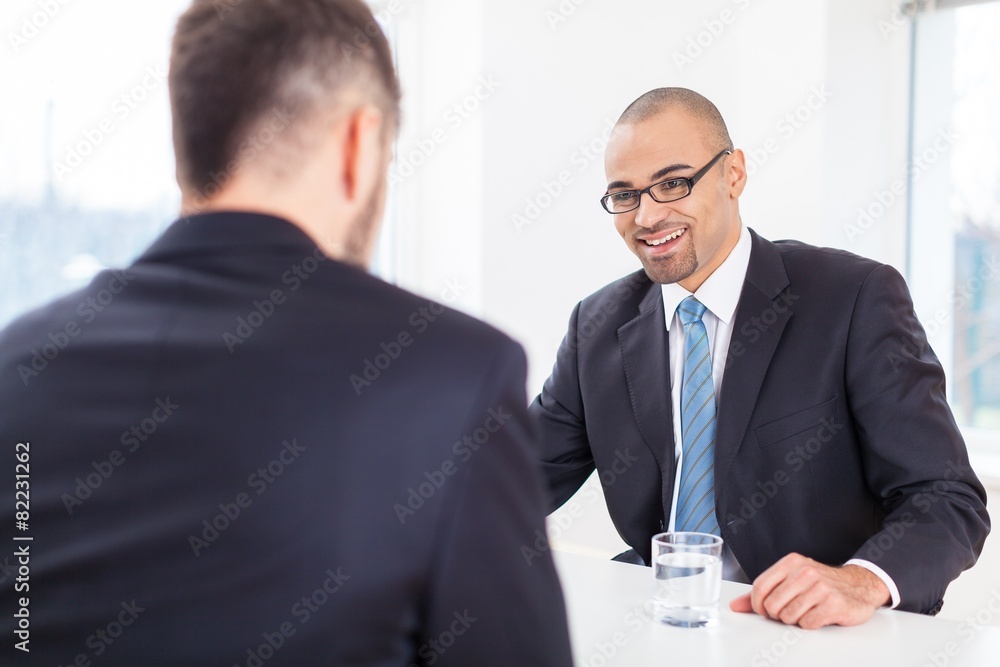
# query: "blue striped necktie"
{"type": "Point", "coordinates": [696, 499]}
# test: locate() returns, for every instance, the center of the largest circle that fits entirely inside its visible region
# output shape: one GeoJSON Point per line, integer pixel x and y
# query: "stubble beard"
{"type": "Point", "coordinates": [358, 246]}
{"type": "Point", "coordinates": [672, 269]}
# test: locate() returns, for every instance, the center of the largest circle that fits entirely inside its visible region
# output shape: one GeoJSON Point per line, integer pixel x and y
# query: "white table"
{"type": "Point", "coordinates": [610, 624]}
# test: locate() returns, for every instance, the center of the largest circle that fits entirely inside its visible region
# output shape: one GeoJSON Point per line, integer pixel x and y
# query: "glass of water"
{"type": "Point", "coordinates": [688, 569]}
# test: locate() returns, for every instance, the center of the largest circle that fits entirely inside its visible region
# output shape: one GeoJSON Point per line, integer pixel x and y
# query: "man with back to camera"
{"type": "Point", "coordinates": [216, 476]}
{"type": "Point", "coordinates": [780, 395]}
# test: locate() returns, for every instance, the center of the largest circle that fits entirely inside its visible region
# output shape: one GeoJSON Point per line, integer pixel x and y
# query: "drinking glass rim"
{"type": "Point", "coordinates": [705, 539]}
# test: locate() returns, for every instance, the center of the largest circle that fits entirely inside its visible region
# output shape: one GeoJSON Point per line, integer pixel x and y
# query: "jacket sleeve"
{"type": "Point", "coordinates": [915, 460]}
{"type": "Point", "coordinates": [494, 597]}
{"type": "Point", "coordinates": [564, 451]}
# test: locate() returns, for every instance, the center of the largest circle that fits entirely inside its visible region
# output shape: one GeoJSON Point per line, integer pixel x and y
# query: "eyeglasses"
{"type": "Point", "coordinates": [669, 190]}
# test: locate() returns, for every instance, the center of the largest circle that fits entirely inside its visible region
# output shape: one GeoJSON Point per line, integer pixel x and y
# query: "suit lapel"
{"type": "Point", "coordinates": [643, 342]}
{"type": "Point", "coordinates": [758, 324]}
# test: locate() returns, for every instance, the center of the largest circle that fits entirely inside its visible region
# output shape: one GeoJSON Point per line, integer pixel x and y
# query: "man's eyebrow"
{"type": "Point", "coordinates": [667, 170]}
{"type": "Point", "coordinates": [654, 178]}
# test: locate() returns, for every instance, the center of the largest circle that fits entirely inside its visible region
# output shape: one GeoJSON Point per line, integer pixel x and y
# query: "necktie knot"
{"type": "Point", "coordinates": [690, 310]}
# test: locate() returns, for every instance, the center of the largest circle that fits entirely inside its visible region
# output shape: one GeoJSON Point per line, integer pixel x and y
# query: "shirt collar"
{"type": "Point", "coordinates": [720, 293]}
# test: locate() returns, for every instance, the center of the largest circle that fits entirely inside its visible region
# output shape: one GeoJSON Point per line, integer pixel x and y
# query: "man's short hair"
{"type": "Point", "coordinates": [239, 69]}
{"type": "Point", "coordinates": [659, 100]}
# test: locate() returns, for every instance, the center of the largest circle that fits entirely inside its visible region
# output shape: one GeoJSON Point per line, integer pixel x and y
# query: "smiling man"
{"type": "Point", "coordinates": [780, 395]}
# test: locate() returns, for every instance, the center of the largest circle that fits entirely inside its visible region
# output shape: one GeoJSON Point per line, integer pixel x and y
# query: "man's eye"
{"type": "Point", "coordinates": [672, 185]}
{"type": "Point", "coordinates": [619, 197]}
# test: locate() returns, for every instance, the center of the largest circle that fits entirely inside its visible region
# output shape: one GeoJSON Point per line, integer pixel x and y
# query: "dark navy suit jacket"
{"type": "Point", "coordinates": [834, 438]}
{"type": "Point", "coordinates": [244, 453]}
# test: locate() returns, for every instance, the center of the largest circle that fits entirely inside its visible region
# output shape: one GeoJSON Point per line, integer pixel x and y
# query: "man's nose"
{"type": "Point", "coordinates": [650, 211]}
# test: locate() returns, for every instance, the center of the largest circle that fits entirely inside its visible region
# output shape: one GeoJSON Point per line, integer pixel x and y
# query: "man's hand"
{"type": "Point", "coordinates": [799, 591]}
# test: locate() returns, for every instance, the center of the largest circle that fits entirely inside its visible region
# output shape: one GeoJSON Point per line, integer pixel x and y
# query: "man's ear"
{"type": "Point", "coordinates": [737, 174]}
{"type": "Point", "coordinates": [364, 153]}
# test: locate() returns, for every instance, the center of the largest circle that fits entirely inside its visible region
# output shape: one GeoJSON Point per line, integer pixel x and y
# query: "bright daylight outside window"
{"type": "Point", "coordinates": [86, 161]}
{"type": "Point", "coordinates": [86, 165]}
{"type": "Point", "coordinates": [955, 208]}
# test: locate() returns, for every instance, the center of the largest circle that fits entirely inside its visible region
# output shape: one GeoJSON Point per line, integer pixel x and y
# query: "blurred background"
{"type": "Point", "coordinates": [869, 125]}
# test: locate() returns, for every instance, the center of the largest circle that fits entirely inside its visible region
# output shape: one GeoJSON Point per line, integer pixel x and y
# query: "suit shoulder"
{"type": "Point", "coordinates": [51, 318]}
{"type": "Point", "coordinates": [454, 332]}
{"type": "Point", "coordinates": [802, 258]}
{"type": "Point", "coordinates": [632, 287]}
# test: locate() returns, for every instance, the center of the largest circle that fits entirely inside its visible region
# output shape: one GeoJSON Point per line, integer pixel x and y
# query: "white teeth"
{"type": "Point", "coordinates": [666, 238]}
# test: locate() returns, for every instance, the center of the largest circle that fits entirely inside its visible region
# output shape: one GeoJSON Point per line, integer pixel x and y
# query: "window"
{"type": "Point", "coordinates": [86, 158]}
{"type": "Point", "coordinates": [86, 163]}
{"type": "Point", "coordinates": [954, 258]}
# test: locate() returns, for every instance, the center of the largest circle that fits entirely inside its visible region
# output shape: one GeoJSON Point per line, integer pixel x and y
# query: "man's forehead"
{"type": "Point", "coordinates": [675, 125]}
{"type": "Point", "coordinates": [634, 150]}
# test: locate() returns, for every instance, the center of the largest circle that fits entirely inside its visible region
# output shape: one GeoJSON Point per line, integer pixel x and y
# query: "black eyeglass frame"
{"type": "Point", "coordinates": [694, 178]}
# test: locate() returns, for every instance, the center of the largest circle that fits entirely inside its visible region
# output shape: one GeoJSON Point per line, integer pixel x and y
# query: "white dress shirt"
{"type": "Point", "coordinates": [720, 294]}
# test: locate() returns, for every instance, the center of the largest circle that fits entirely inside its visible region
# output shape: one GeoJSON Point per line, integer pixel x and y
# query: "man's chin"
{"type": "Point", "coordinates": [668, 272]}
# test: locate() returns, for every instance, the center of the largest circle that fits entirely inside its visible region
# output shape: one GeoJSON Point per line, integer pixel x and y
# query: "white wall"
{"type": "Point", "coordinates": [566, 70]}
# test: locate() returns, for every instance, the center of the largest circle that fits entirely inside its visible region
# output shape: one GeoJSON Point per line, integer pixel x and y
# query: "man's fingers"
{"type": "Point", "coordinates": [775, 577]}
{"type": "Point", "coordinates": [812, 601]}
{"type": "Point", "coordinates": [741, 604]}
{"type": "Point", "coordinates": [793, 596]}
{"type": "Point", "coordinates": [815, 619]}
{"type": "Point", "coordinates": [766, 583]}
{"type": "Point", "coordinates": [757, 599]}
{"type": "Point", "coordinates": [800, 591]}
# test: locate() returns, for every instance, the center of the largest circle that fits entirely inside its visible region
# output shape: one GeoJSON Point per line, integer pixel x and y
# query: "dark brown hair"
{"type": "Point", "coordinates": [236, 64]}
